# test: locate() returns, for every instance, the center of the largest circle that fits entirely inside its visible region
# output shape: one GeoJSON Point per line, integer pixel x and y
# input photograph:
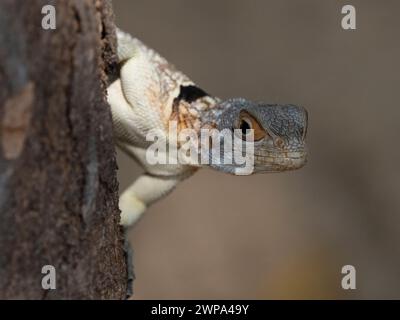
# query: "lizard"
{"type": "Point", "coordinates": [150, 92]}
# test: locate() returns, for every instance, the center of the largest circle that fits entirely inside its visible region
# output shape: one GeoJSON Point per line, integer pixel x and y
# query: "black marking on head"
{"type": "Point", "coordinates": [191, 93]}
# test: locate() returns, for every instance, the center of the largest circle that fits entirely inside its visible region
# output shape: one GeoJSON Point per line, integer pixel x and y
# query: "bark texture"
{"type": "Point", "coordinates": [58, 186]}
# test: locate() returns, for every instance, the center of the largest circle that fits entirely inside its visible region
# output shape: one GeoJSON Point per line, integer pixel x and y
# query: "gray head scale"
{"type": "Point", "coordinates": [278, 137]}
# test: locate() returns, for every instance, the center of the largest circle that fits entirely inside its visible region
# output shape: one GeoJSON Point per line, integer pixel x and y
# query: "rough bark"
{"type": "Point", "coordinates": [58, 187]}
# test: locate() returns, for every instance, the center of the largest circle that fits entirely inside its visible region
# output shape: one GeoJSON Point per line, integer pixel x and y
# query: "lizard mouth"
{"type": "Point", "coordinates": [278, 162]}
{"type": "Point", "coordinates": [266, 162]}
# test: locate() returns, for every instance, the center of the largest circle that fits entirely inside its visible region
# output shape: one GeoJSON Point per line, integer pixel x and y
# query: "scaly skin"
{"type": "Point", "coordinates": [151, 93]}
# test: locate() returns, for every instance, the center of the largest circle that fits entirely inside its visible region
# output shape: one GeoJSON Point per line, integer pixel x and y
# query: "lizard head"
{"type": "Point", "coordinates": [278, 135]}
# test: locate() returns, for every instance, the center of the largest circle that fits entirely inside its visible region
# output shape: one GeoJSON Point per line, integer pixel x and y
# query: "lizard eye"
{"type": "Point", "coordinates": [248, 122]}
{"type": "Point", "coordinates": [245, 125]}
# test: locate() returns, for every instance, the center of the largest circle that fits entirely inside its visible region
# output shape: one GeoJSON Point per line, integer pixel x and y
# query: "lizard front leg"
{"type": "Point", "coordinates": [139, 100]}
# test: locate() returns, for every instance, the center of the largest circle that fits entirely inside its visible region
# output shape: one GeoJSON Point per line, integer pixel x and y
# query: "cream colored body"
{"type": "Point", "coordinates": [141, 100]}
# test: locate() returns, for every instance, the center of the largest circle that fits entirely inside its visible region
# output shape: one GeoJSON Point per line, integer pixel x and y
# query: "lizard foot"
{"type": "Point", "coordinates": [132, 208]}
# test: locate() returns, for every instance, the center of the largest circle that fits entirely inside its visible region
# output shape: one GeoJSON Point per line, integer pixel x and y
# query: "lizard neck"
{"type": "Point", "coordinates": [197, 114]}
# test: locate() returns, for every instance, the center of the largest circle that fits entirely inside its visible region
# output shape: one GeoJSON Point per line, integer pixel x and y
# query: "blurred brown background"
{"type": "Point", "coordinates": [280, 235]}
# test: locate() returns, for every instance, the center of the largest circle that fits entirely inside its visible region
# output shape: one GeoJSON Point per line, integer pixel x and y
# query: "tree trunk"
{"type": "Point", "coordinates": [58, 186]}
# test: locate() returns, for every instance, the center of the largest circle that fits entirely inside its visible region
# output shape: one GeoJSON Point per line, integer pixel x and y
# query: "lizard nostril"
{"type": "Point", "coordinates": [279, 143]}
